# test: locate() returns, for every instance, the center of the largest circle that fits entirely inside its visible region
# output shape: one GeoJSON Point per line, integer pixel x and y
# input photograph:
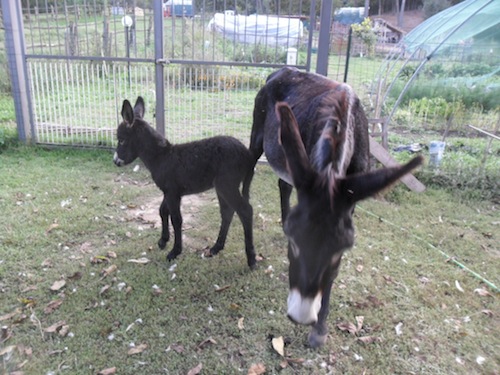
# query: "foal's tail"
{"type": "Point", "coordinates": [247, 181]}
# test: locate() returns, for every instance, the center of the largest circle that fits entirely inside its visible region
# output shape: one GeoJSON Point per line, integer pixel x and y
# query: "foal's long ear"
{"type": "Point", "coordinates": [139, 107]}
{"type": "Point", "coordinates": [295, 152]}
{"type": "Point", "coordinates": [357, 187]}
{"type": "Point", "coordinates": [127, 112]}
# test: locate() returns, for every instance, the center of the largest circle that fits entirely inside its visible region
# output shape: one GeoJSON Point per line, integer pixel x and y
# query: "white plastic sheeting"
{"type": "Point", "coordinates": [258, 29]}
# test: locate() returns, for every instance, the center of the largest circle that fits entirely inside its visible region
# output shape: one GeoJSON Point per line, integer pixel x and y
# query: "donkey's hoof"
{"type": "Point", "coordinates": [316, 340]}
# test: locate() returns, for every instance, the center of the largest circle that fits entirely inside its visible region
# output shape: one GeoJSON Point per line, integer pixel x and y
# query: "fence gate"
{"type": "Point", "coordinates": [197, 65]}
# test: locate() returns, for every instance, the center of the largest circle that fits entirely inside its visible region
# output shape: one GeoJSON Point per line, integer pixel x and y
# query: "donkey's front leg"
{"type": "Point", "coordinates": [285, 192]}
{"type": "Point", "coordinates": [164, 214]}
{"type": "Point", "coordinates": [174, 206]}
{"type": "Point", "coordinates": [319, 331]}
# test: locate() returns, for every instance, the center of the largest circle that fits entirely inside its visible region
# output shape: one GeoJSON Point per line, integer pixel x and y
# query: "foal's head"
{"type": "Point", "coordinates": [128, 148]}
{"type": "Point", "coordinates": [320, 228]}
{"type": "Point", "coordinates": [135, 135]}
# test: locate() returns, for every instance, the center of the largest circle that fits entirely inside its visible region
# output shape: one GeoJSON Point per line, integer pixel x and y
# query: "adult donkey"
{"type": "Point", "coordinates": [314, 133]}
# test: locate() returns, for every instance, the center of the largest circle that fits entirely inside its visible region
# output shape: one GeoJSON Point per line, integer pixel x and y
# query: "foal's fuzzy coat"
{"type": "Point", "coordinates": [219, 162]}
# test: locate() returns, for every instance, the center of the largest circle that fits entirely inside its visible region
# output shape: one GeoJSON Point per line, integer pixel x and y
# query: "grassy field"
{"type": "Point", "coordinates": [79, 298]}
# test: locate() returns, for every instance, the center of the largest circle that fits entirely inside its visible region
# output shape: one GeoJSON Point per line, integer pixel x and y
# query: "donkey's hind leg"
{"type": "Point", "coordinates": [226, 214]}
{"type": "Point", "coordinates": [165, 216]}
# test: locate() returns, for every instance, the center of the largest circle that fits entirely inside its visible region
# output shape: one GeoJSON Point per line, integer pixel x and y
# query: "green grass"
{"type": "Point", "coordinates": [61, 208]}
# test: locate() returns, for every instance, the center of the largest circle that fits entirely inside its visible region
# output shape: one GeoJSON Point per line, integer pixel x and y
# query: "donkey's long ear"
{"type": "Point", "coordinates": [357, 187]}
{"type": "Point", "coordinates": [139, 107]}
{"type": "Point", "coordinates": [295, 152]}
{"type": "Point", "coordinates": [127, 112]}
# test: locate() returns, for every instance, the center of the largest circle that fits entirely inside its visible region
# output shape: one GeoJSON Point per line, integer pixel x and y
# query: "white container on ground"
{"type": "Point", "coordinates": [436, 152]}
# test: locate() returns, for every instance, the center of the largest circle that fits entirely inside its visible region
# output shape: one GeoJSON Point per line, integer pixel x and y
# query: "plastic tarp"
{"type": "Point", "coordinates": [258, 29]}
{"type": "Point", "coordinates": [467, 23]}
{"type": "Point", "coordinates": [348, 16]}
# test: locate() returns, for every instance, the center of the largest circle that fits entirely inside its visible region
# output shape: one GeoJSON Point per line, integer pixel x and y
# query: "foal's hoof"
{"type": "Point", "coordinates": [316, 340]}
{"type": "Point", "coordinates": [162, 243]}
{"type": "Point", "coordinates": [172, 255]}
{"type": "Point", "coordinates": [214, 250]}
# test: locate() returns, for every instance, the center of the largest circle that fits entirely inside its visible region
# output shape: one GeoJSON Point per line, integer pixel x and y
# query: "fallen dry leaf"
{"type": "Point", "coordinates": [55, 327]}
{"type": "Point", "coordinates": [111, 254]}
{"type": "Point", "coordinates": [139, 261]}
{"type": "Point", "coordinates": [257, 369]}
{"type": "Point", "coordinates": [52, 227]}
{"type": "Point", "coordinates": [240, 323]}
{"type": "Point", "coordinates": [206, 342]}
{"type": "Point", "coordinates": [347, 326]}
{"type": "Point", "coordinates": [359, 268]}
{"type": "Point", "coordinates": [76, 276]}
{"type": "Point", "coordinates": [108, 371]}
{"type": "Point", "coordinates": [458, 286]}
{"type": "Point", "coordinates": [28, 301]}
{"type": "Point", "coordinates": [487, 312]}
{"type": "Point", "coordinates": [63, 332]}
{"type": "Point", "coordinates": [221, 289]}
{"type": "Point", "coordinates": [99, 259]}
{"type": "Point", "coordinates": [279, 345]}
{"type": "Point", "coordinates": [399, 328]}
{"type": "Point", "coordinates": [483, 292]}
{"type": "Point", "coordinates": [52, 306]}
{"type": "Point", "coordinates": [369, 339]}
{"type": "Point", "coordinates": [137, 349]}
{"type": "Point", "coordinates": [10, 315]}
{"type": "Point", "coordinates": [195, 370]}
{"type": "Point", "coordinates": [7, 350]}
{"type": "Point", "coordinates": [58, 285]}
{"type": "Point", "coordinates": [104, 289]}
{"type": "Point", "coordinates": [109, 270]}
{"type": "Point", "coordinates": [359, 320]}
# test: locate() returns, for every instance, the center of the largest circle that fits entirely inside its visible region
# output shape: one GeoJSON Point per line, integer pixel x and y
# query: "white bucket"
{"type": "Point", "coordinates": [436, 151]}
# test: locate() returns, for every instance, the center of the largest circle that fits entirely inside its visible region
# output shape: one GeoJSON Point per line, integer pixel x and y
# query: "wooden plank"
{"type": "Point", "coordinates": [387, 160]}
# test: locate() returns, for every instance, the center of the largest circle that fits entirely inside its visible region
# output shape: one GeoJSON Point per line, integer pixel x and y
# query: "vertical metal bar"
{"type": "Point", "coordinates": [324, 37]}
{"type": "Point", "coordinates": [16, 56]}
{"type": "Point", "coordinates": [312, 26]}
{"type": "Point", "coordinates": [348, 54]}
{"type": "Point", "coordinates": [159, 73]}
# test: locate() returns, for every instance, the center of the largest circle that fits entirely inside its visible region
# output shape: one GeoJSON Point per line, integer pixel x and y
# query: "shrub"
{"type": "Point", "coordinates": [365, 32]}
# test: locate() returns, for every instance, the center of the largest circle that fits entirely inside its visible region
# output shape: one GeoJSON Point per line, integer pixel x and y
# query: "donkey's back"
{"type": "Point", "coordinates": [322, 108]}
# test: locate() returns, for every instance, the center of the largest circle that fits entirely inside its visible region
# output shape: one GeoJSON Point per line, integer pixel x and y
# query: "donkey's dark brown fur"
{"type": "Point", "coordinates": [219, 162]}
{"type": "Point", "coordinates": [315, 136]}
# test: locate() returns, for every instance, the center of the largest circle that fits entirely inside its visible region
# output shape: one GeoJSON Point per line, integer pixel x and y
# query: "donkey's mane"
{"type": "Point", "coordinates": [144, 127]}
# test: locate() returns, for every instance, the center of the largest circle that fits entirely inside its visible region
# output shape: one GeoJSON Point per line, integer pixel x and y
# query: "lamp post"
{"type": "Point", "coordinates": [127, 22]}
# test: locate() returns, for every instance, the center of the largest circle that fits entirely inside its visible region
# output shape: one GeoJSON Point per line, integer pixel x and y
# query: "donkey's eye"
{"type": "Point", "coordinates": [121, 142]}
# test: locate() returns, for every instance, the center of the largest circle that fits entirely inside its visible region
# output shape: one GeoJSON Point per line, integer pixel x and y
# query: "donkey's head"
{"type": "Point", "coordinates": [320, 228]}
{"type": "Point", "coordinates": [128, 145]}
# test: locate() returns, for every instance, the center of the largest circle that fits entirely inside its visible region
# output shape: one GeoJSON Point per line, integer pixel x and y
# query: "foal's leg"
{"type": "Point", "coordinates": [174, 206]}
{"type": "Point", "coordinates": [319, 331]}
{"type": "Point", "coordinates": [245, 212]}
{"type": "Point", "coordinates": [164, 214]}
{"type": "Point", "coordinates": [226, 214]}
{"type": "Point", "coordinates": [285, 193]}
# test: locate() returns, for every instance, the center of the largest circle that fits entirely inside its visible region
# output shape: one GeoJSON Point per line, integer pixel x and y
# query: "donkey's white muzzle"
{"type": "Point", "coordinates": [303, 310]}
{"type": "Point", "coordinates": [119, 162]}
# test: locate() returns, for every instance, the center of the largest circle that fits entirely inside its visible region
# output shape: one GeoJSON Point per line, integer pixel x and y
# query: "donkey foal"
{"type": "Point", "coordinates": [219, 162]}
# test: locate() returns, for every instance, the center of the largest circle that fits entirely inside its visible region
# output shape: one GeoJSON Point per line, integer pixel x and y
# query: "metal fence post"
{"type": "Point", "coordinates": [159, 67]}
{"type": "Point", "coordinates": [324, 37]}
{"type": "Point", "coordinates": [15, 46]}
